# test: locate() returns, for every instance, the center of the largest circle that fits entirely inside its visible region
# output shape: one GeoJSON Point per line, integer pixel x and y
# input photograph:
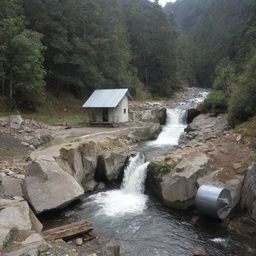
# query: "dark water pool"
{"type": "Point", "coordinates": [162, 231]}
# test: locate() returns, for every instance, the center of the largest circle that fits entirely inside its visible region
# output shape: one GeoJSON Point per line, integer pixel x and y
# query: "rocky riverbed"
{"type": "Point", "coordinates": [46, 168]}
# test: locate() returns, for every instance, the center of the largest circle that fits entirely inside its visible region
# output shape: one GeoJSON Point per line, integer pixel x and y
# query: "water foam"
{"type": "Point", "coordinates": [175, 125]}
{"type": "Point", "coordinates": [130, 198]}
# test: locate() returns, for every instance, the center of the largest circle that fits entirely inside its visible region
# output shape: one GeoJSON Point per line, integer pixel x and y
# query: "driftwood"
{"type": "Point", "coordinates": [68, 231]}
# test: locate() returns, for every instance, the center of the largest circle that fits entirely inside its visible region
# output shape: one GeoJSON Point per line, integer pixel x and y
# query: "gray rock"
{"type": "Point", "coordinates": [11, 186]}
{"type": "Point", "coordinates": [16, 121]}
{"type": "Point", "coordinates": [234, 185]}
{"type": "Point", "coordinates": [110, 165]}
{"type": "Point", "coordinates": [90, 186]}
{"type": "Point", "coordinates": [154, 114]}
{"type": "Point", "coordinates": [23, 143]}
{"type": "Point", "coordinates": [32, 147]}
{"type": "Point", "coordinates": [4, 121]}
{"type": "Point", "coordinates": [36, 239]}
{"type": "Point", "coordinates": [179, 187]}
{"type": "Point", "coordinates": [79, 241]}
{"type": "Point", "coordinates": [17, 213]}
{"type": "Point", "coordinates": [7, 235]}
{"type": "Point", "coordinates": [112, 249]}
{"type": "Point", "coordinates": [79, 161]}
{"type": "Point", "coordinates": [46, 186]}
{"type": "Point", "coordinates": [248, 197]}
{"type": "Point", "coordinates": [41, 137]}
{"type": "Point", "coordinates": [191, 114]}
{"type": "Point", "coordinates": [207, 123]}
{"type": "Point", "coordinates": [101, 185]}
{"type": "Point", "coordinates": [143, 133]}
{"type": "Point", "coordinates": [33, 245]}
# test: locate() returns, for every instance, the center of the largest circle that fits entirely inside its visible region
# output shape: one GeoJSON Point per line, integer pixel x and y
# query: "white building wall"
{"type": "Point", "coordinates": [120, 113]}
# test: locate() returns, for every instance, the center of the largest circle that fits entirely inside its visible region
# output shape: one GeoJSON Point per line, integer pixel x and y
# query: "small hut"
{"type": "Point", "coordinates": [108, 106]}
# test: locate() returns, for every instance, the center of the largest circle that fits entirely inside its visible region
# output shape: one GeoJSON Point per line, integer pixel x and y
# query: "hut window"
{"type": "Point", "coordinates": [124, 110]}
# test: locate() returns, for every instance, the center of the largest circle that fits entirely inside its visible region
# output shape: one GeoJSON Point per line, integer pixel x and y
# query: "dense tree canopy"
{"type": "Point", "coordinates": [221, 35]}
{"type": "Point", "coordinates": [79, 45]}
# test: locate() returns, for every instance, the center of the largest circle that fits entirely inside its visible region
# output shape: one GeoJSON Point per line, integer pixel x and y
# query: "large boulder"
{"type": "Point", "coordinates": [191, 114]}
{"type": "Point", "coordinates": [80, 162]}
{"type": "Point", "coordinates": [110, 166]}
{"type": "Point", "coordinates": [248, 197]}
{"type": "Point", "coordinates": [16, 121]}
{"type": "Point", "coordinates": [155, 115]}
{"type": "Point", "coordinates": [17, 213]}
{"type": "Point", "coordinates": [146, 132]}
{"type": "Point", "coordinates": [46, 186]}
{"type": "Point", "coordinates": [233, 184]}
{"type": "Point", "coordinates": [206, 123]}
{"type": "Point", "coordinates": [178, 187]}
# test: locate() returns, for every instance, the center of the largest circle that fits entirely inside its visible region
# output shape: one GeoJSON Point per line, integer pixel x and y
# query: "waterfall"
{"type": "Point", "coordinates": [129, 198]}
{"type": "Point", "coordinates": [175, 125]}
{"type": "Point", "coordinates": [135, 175]}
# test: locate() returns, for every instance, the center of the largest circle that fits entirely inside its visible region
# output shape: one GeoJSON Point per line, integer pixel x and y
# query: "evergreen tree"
{"type": "Point", "coordinates": [21, 60]}
{"type": "Point", "coordinates": [243, 99]}
{"type": "Point", "coordinates": [153, 43]}
{"type": "Point", "coordinates": [225, 76]}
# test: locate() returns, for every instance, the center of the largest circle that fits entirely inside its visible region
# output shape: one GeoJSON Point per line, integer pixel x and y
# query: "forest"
{"type": "Point", "coordinates": [76, 46]}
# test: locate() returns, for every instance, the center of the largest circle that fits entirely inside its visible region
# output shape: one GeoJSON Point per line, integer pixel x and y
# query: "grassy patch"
{"type": "Point", "coordinates": [167, 158]}
{"type": "Point", "coordinates": [64, 109]}
{"type": "Point", "coordinates": [161, 169]}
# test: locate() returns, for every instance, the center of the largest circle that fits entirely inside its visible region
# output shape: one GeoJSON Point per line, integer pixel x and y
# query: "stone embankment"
{"type": "Point", "coordinates": [210, 154]}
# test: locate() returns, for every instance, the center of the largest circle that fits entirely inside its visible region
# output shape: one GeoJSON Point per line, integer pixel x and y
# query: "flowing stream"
{"type": "Point", "coordinates": [141, 224]}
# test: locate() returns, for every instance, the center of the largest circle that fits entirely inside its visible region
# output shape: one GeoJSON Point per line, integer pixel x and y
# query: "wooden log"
{"type": "Point", "coordinates": [69, 230]}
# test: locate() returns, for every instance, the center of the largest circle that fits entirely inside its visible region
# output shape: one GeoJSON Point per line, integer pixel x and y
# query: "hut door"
{"type": "Point", "coordinates": [105, 114]}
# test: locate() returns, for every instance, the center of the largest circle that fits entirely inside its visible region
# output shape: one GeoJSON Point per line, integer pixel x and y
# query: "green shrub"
{"type": "Point", "coordinates": [216, 102]}
{"type": "Point", "coordinates": [242, 103]}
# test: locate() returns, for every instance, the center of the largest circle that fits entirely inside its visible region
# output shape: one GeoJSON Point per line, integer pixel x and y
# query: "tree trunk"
{"type": "Point", "coordinates": [11, 85]}
{"type": "Point", "coordinates": [3, 86]}
{"type": "Point", "coordinates": [146, 72]}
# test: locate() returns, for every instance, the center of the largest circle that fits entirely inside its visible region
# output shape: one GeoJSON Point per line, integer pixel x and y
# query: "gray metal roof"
{"type": "Point", "coordinates": [107, 98]}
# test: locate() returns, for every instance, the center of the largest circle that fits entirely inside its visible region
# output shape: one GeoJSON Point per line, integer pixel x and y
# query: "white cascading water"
{"type": "Point", "coordinates": [173, 129]}
{"type": "Point", "coordinates": [130, 198]}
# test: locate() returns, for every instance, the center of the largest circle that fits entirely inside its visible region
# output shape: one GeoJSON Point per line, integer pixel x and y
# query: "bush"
{"type": "Point", "coordinates": [216, 102]}
{"type": "Point", "coordinates": [242, 104]}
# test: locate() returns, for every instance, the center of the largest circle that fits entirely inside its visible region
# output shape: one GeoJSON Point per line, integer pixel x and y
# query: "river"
{"type": "Point", "coordinates": [141, 224]}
